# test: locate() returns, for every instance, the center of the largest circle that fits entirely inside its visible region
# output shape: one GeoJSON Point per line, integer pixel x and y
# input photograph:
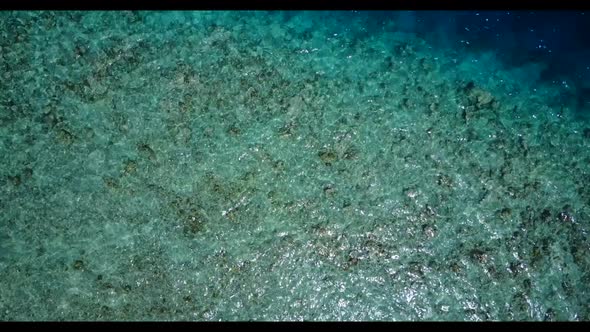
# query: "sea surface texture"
{"type": "Point", "coordinates": [316, 166]}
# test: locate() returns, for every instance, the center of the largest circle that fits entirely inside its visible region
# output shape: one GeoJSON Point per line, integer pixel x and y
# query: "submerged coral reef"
{"type": "Point", "coordinates": [265, 166]}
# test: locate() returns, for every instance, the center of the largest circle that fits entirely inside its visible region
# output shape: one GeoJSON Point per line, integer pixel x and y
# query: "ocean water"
{"type": "Point", "coordinates": [313, 166]}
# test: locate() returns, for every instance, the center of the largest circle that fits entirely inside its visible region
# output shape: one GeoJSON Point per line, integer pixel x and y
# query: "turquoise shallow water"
{"type": "Point", "coordinates": [281, 166]}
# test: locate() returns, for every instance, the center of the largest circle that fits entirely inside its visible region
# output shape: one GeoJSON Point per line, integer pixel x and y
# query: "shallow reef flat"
{"type": "Point", "coordinates": [281, 166]}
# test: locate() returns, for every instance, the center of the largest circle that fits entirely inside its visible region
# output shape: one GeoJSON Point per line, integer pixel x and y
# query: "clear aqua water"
{"type": "Point", "coordinates": [283, 166]}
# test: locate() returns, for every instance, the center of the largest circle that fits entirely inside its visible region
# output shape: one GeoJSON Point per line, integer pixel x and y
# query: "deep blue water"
{"type": "Point", "coordinates": [560, 39]}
